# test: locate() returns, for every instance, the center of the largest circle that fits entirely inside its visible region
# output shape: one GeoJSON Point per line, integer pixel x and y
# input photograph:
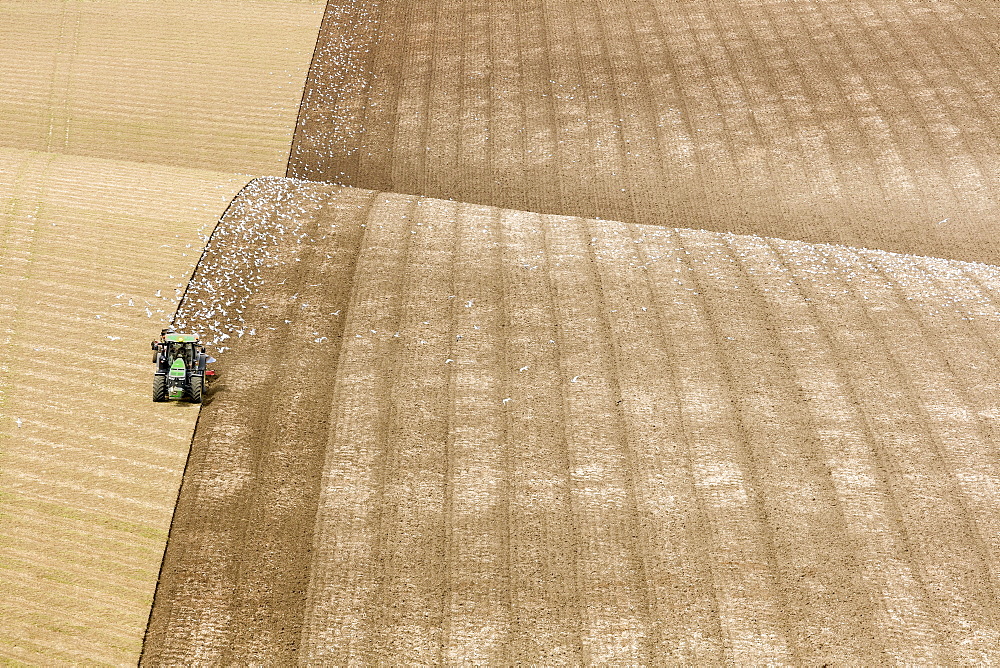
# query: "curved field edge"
{"type": "Point", "coordinates": [458, 433]}
{"type": "Point", "coordinates": [94, 255]}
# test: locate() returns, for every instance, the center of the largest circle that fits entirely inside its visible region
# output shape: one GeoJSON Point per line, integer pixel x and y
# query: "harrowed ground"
{"type": "Point", "coordinates": [863, 122]}
{"type": "Point", "coordinates": [456, 433]}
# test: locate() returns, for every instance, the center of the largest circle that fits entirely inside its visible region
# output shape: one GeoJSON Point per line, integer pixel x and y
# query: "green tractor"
{"type": "Point", "coordinates": [180, 367]}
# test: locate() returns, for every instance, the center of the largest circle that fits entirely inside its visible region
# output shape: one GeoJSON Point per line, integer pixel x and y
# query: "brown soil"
{"type": "Point", "coordinates": [465, 433]}
{"type": "Point", "coordinates": [539, 439]}
{"type": "Point", "coordinates": [237, 566]}
{"type": "Point", "coordinates": [865, 122]}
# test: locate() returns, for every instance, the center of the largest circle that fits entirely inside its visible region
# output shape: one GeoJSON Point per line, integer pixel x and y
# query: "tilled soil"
{"type": "Point", "coordinates": [460, 433]}
{"type": "Point", "coordinates": [464, 433]}
{"type": "Point", "coordinates": [238, 560]}
{"type": "Point", "coordinates": [865, 122]}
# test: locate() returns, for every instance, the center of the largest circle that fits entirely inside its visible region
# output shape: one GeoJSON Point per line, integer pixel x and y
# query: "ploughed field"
{"type": "Point", "coordinates": [460, 433]}
{"type": "Point", "coordinates": [864, 122]}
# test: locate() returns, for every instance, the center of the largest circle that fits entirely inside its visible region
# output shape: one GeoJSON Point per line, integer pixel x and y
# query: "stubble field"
{"type": "Point", "coordinates": [205, 84]}
{"type": "Point", "coordinates": [94, 255]}
{"type": "Point", "coordinates": [122, 127]}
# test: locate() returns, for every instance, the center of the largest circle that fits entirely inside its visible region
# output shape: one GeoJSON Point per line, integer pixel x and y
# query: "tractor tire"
{"type": "Point", "coordinates": [197, 389]}
{"type": "Point", "coordinates": [159, 388]}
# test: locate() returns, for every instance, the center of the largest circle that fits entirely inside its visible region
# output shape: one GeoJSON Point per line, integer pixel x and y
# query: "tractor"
{"type": "Point", "coordinates": [180, 367]}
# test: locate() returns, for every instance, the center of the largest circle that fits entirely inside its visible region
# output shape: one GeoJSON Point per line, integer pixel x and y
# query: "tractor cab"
{"type": "Point", "coordinates": [180, 367]}
{"type": "Point", "coordinates": [183, 350]}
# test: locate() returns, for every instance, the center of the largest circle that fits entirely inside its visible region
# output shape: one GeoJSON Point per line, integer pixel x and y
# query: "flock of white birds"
{"type": "Point", "coordinates": [272, 222]}
{"type": "Point", "coordinates": [342, 61]}
{"type": "Point", "coordinates": [256, 235]}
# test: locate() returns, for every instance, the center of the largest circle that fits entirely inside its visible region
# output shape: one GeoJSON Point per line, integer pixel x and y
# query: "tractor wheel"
{"type": "Point", "coordinates": [159, 388]}
{"type": "Point", "coordinates": [197, 388]}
